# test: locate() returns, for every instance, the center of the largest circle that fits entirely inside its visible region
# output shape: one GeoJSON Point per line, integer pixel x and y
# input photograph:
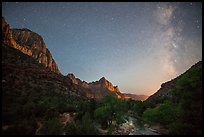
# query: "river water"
{"type": "Point", "coordinates": [139, 130]}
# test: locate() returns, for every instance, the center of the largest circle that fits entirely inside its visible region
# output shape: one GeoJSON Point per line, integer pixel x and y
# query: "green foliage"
{"type": "Point", "coordinates": [164, 113]}
{"type": "Point", "coordinates": [187, 85]}
{"type": "Point", "coordinates": [183, 113]}
{"type": "Point", "coordinates": [150, 115]}
{"type": "Point", "coordinates": [87, 126]}
{"type": "Point", "coordinates": [24, 102]}
{"type": "Point", "coordinates": [121, 106]}
{"type": "Point", "coordinates": [188, 92]}
{"type": "Point", "coordinates": [84, 106]}
{"type": "Point", "coordinates": [138, 107]}
{"type": "Point", "coordinates": [103, 115]}
{"type": "Point", "coordinates": [72, 129]}
{"type": "Point", "coordinates": [111, 109]}
{"type": "Point", "coordinates": [191, 79]}
{"type": "Point", "coordinates": [52, 127]}
{"type": "Point", "coordinates": [119, 118]}
{"type": "Point", "coordinates": [83, 127]}
{"type": "Point", "coordinates": [92, 107]}
{"type": "Point", "coordinates": [111, 129]}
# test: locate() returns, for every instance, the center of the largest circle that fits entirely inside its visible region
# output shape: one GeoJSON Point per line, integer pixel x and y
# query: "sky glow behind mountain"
{"type": "Point", "coordinates": [135, 45]}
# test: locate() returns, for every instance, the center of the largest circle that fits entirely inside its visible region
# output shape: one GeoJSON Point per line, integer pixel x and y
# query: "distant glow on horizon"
{"type": "Point", "coordinates": [137, 46]}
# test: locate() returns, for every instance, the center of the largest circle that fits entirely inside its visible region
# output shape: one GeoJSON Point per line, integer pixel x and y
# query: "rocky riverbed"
{"type": "Point", "coordinates": [131, 128]}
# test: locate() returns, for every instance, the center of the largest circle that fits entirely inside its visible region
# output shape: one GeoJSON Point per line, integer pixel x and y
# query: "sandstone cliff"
{"type": "Point", "coordinates": [98, 89]}
{"type": "Point", "coordinates": [105, 84]}
{"type": "Point", "coordinates": [30, 43]}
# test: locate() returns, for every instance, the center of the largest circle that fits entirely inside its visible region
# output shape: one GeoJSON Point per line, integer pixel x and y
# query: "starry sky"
{"type": "Point", "coordinates": [136, 46]}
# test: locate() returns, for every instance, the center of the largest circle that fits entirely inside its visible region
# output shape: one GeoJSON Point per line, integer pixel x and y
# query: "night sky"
{"type": "Point", "coordinates": [137, 46]}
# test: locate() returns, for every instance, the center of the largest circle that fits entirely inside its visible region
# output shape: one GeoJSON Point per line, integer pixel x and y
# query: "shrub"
{"type": "Point", "coordinates": [52, 127]}
{"type": "Point", "coordinates": [164, 113]}
{"type": "Point", "coordinates": [72, 129]}
{"type": "Point", "coordinates": [103, 115]}
{"type": "Point", "coordinates": [83, 127]}
{"type": "Point", "coordinates": [87, 126]}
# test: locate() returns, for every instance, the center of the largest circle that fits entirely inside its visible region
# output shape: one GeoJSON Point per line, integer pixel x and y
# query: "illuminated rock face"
{"type": "Point", "coordinates": [101, 88]}
{"type": "Point", "coordinates": [104, 84]}
{"type": "Point", "coordinates": [32, 44]}
{"type": "Point", "coordinates": [29, 43]}
{"type": "Point", "coordinates": [7, 34]}
{"type": "Point", "coordinates": [116, 89]}
{"type": "Point", "coordinates": [73, 78]}
{"type": "Point", "coordinates": [98, 89]}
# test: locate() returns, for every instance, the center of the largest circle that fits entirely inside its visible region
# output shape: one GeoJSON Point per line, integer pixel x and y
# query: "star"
{"type": "Point", "coordinates": [131, 38]}
{"type": "Point", "coordinates": [174, 45]}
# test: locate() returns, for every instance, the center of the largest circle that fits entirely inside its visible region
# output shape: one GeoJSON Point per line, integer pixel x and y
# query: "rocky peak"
{"type": "Point", "coordinates": [25, 29]}
{"type": "Point", "coordinates": [84, 84]}
{"type": "Point", "coordinates": [71, 76]}
{"type": "Point", "coordinates": [7, 34]}
{"type": "Point", "coordinates": [30, 43]}
{"type": "Point", "coordinates": [103, 79]}
{"type": "Point", "coordinates": [116, 88]}
{"type": "Point", "coordinates": [104, 83]}
{"type": "Point", "coordinates": [74, 79]}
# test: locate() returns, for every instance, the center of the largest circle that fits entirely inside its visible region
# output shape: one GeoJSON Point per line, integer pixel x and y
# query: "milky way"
{"type": "Point", "coordinates": [137, 46]}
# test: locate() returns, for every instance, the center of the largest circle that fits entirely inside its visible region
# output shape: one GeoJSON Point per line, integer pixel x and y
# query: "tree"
{"type": "Point", "coordinates": [72, 129]}
{"type": "Point", "coordinates": [111, 109]}
{"type": "Point", "coordinates": [103, 115]}
{"type": "Point", "coordinates": [164, 113]}
{"type": "Point", "coordinates": [87, 126]}
{"type": "Point", "coordinates": [138, 108]}
{"type": "Point", "coordinates": [52, 127]}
